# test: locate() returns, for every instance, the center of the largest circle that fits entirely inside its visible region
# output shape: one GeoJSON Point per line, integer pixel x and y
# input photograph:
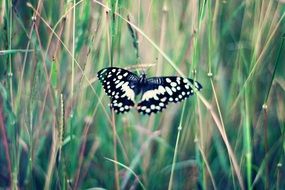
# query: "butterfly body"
{"type": "Point", "coordinates": [138, 84]}
{"type": "Point", "coordinates": [122, 86]}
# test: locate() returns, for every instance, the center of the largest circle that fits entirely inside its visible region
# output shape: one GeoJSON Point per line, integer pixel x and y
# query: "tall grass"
{"type": "Point", "coordinates": [57, 131]}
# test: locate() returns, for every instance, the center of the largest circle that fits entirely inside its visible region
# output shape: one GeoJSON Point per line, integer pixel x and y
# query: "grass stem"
{"type": "Point", "coordinates": [179, 129]}
{"type": "Point", "coordinates": [117, 184]}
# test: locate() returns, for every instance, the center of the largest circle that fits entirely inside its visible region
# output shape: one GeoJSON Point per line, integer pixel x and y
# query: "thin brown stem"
{"type": "Point", "coordinates": [117, 185]}
{"type": "Point", "coordinates": [81, 156]}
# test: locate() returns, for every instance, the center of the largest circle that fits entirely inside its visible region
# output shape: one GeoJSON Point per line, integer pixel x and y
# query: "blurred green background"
{"type": "Point", "coordinates": [57, 131]}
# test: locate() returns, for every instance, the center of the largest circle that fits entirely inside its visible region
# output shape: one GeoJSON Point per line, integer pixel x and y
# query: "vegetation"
{"type": "Point", "coordinates": [57, 131]}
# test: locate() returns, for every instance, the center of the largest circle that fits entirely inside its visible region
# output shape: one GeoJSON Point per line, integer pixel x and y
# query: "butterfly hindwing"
{"type": "Point", "coordinates": [121, 105]}
{"type": "Point", "coordinates": [159, 91]}
{"type": "Point", "coordinates": [119, 84]}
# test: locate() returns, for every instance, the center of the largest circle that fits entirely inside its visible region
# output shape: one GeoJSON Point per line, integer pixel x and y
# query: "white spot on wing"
{"type": "Point", "coordinates": [103, 71]}
{"type": "Point", "coordinates": [161, 89]}
{"type": "Point", "coordinates": [153, 93]}
{"type": "Point", "coordinates": [178, 80]}
{"type": "Point", "coordinates": [173, 84]}
{"type": "Point", "coordinates": [149, 94]}
{"type": "Point", "coordinates": [128, 91]}
{"type": "Point", "coordinates": [120, 84]}
{"type": "Point", "coordinates": [168, 90]}
{"type": "Point", "coordinates": [168, 80]}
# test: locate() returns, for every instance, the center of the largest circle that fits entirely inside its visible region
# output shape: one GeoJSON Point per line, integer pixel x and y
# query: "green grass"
{"type": "Point", "coordinates": [57, 131]}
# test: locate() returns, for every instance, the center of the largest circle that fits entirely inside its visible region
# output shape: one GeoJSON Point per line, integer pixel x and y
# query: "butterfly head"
{"type": "Point", "coordinates": [142, 79]}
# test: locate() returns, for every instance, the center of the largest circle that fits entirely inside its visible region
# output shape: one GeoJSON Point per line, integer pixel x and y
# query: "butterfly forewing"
{"type": "Point", "coordinates": [159, 91]}
{"type": "Point", "coordinates": [120, 85]}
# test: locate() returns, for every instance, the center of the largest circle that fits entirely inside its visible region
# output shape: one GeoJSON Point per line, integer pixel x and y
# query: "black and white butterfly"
{"type": "Point", "coordinates": [122, 86]}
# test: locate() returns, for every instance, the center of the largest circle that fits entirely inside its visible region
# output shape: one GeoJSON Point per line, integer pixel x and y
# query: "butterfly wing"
{"type": "Point", "coordinates": [159, 91]}
{"type": "Point", "coordinates": [120, 85]}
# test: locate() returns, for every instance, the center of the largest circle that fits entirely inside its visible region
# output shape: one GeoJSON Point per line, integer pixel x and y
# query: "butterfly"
{"type": "Point", "coordinates": [123, 86]}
